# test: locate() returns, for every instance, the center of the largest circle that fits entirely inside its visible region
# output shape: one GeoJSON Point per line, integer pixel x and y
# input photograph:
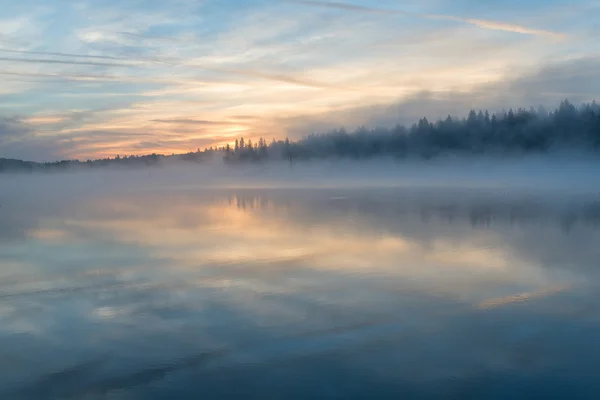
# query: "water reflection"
{"type": "Point", "coordinates": [299, 293]}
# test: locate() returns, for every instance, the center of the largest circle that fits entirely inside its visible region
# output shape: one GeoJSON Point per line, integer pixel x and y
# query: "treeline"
{"type": "Point", "coordinates": [12, 165]}
{"type": "Point", "coordinates": [513, 132]}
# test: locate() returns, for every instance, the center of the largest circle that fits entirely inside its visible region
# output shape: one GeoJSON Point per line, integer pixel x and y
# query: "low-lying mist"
{"type": "Point", "coordinates": [562, 174]}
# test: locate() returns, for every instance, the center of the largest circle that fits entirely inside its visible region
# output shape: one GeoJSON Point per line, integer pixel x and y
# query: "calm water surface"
{"type": "Point", "coordinates": [329, 293]}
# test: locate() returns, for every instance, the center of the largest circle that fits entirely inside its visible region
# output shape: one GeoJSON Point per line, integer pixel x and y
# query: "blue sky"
{"type": "Point", "coordinates": [100, 78]}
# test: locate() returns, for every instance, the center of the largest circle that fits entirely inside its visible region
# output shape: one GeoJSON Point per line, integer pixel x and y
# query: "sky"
{"type": "Point", "coordinates": [87, 79]}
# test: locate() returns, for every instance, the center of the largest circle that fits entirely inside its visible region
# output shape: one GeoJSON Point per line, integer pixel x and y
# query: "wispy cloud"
{"type": "Point", "coordinates": [186, 121]}
{"type": "Point", "coordinates": [12, 127]}
{"type": "Point", "coordinates": [135, 63]}
{"type": "Point", "coordinates": [500, 26]}
{"type": "Point", "coordinates": [150, 37]}
{"type": "Point", "coordinates": [522, 297]}
{"type": "Point", "coordinates": [45, 53]}
{"type": "Point", "coordinates": [284, 78]}
{"type": "Point", "coordinates": [345, 6]}
{"type": "Point", "coordinates": [68, 62]}
{"type": "Point", "coordinates": [61, 77]}
{"type": "Point", "coordinates": [485, 24]}
{"type": "Point", "coordinates": [89, 56]}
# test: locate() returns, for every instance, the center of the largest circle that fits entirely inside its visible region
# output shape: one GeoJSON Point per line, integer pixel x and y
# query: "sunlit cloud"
{"type": "Point", "coordinates": [45, 119]}
{"type": "Point", "coordinates": [522, 297]}
{"type": "Point", "coordinates": [184, 121]}
{"type": "Point", "coordinates": [510, 28]}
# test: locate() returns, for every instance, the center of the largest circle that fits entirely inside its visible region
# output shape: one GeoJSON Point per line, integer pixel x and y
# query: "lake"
{"type": "Point", "coordinates": [300, 293]}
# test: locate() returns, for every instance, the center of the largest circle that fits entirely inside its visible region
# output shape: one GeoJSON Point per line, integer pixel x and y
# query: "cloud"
{"type": "Point", "coordinates": [284, 78]}
{"type": "Point", "coordinates": [46, 53]}
{"type": "Point", "coordinates": [522, 297]}
{"type": "Point", "coordinates": [135, 63]}
{"type": "Point", "coordinates": [165, 145]}
{"type": "Point", "coordinates": [18, 140]}
{"type": "Point", "coordinates": [150, 37]}
{"type": "Point", "coordinates": [186, 121]}
{"type": "Point", "coordinates": [485, 24]}
{"type": "Point", "coordinates": [92, 77]}
{"type": "Point", "coordinates": [345, 6]}
{"type": "Point", "coordinates": [244, 117]}
{"type": "Point", "coordinates": [578, 79]}
{"type": "Point", "coordinates": [68, 62]}
{"type": "Point", "coordinates": [90, 56]}
{"type": "Point", "coordinates": [508, 27]}
{"type": "Point", "coordinates": [575, 79]}
{"type": "Point", "coordinates": [11, 128]}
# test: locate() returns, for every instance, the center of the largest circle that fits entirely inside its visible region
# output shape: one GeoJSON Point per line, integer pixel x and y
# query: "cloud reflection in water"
{"type": "Point", "coordinates": [300, 293]}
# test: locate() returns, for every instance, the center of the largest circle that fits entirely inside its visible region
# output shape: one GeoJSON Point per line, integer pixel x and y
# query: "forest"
{"type": "Point", "coordinates": [513, 132]}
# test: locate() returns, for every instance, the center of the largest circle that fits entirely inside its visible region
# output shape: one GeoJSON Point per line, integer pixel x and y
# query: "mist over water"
{"type": "Point", "coordinates": [338, 279]}
{"type": "Point", "coordinates": [566, 172]}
